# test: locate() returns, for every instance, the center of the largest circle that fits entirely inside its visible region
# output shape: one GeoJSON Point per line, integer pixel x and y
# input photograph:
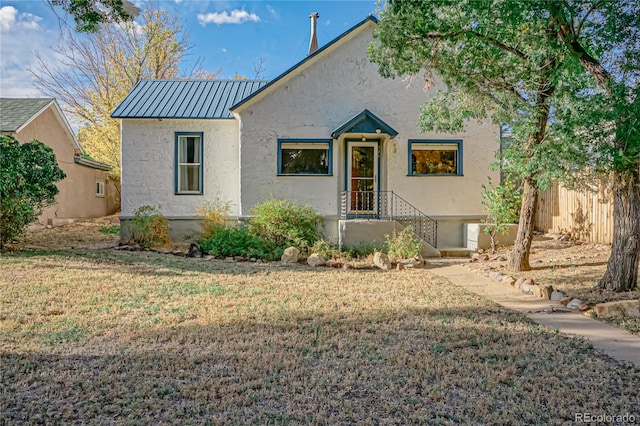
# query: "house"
{"type": "Point", "coordinates": [329, 132]}
{"type": "Point", "coordinates": [84, 192]}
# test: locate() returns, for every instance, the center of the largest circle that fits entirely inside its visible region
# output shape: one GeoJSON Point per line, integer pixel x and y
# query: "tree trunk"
{"type": "Point", "coordinates": [622, 268]}
{"type": "Point", "coordinates": [519, 256]}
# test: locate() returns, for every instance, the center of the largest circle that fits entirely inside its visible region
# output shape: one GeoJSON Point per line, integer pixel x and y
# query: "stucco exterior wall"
{"type": "Point", "coordinates": [148, 165]}
{"type": "Point", "coordinates": [326, 92]}
{"type": "Point", "coordinates": [77, 197]}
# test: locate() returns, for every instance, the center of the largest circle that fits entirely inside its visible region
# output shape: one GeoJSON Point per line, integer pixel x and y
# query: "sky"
{"type": "Point", "coordinates": [230, 35]}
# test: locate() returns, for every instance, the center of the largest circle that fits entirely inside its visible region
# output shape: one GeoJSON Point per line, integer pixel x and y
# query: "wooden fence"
{"type": "Point", "coordinates": [588, 216]}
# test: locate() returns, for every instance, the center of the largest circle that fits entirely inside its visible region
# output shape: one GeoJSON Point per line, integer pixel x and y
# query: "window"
{"type": "Point", "coordinates": [435, 157]}
{"type": "Point", "coordinates": [189, 174]}
{"type": "Point", "coordinates": [310, 157]}
{"type": "Point", "coordinates": [99, 188]}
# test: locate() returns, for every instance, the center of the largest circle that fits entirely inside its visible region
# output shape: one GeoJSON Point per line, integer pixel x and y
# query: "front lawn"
{"type": "Point", "coordinates": [103, 337]}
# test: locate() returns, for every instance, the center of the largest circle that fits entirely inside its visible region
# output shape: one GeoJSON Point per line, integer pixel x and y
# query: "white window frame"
{"type": "Point", "coordinates": [178, 165]}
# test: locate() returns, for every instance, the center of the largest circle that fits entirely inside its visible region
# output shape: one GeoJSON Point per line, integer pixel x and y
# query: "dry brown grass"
{"type": "Point", "coordinates": [108, 337]}
{"type": "Point", "coordinates": [572, 268]}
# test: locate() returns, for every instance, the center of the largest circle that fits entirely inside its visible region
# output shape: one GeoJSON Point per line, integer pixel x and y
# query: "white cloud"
{"type": "Point", "coordinates": [235, 17]}
{"type": "Point", "coordinates": [7, 17]}
{"type": "Point", "coordinates": [272, 11]}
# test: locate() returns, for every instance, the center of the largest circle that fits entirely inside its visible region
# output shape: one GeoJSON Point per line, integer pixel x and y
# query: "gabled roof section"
{"type": "Point", "coordinates": [185, 98]}
{"type": "Point", "coordinates": [365, 122]}
{"type": "Point", "coordinates": [318, 52]}
{"type": "Point", "coordinates": [16, 112]}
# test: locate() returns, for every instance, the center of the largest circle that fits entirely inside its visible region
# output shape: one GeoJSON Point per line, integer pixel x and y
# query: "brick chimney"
{"type": "Point", "coordinates": [313, 43]}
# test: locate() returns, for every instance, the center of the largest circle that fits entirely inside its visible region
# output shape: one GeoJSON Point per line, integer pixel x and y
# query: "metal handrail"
{"type": "Point", "coordinates": [390, 206]}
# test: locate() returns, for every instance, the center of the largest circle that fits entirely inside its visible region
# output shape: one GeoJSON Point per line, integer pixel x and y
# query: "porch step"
{"type": "Point", "coordinates": [455, 251]}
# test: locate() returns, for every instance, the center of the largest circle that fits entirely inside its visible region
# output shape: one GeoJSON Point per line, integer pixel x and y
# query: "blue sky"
{"type": "Point", "coordinates": [230, 35]}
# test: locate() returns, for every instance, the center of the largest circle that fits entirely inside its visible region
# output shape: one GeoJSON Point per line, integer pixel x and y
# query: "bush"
{"type": "Point", "coordinates": [28, 176]}
{"type": "Point", "coordinates": [214, 217]}
{"type": "Point", "coordinates": [324, 249]}
{"type": "Point", "coordinates": [403, 245]}
{"type": "Point", "coordinates": [286, 224]}
{"type": "Point", "coordinates": [240, 242]}
{"type": "Point", "coordinates": [149, 228]}
{"type": "Point", "coordinates": [502, 206]}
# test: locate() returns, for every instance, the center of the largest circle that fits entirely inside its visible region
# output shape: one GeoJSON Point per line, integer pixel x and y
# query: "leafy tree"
{"type": "Point", "coordinates": [90, 14]}
{"type": "Point", "coordinates": [604, 37]}
{"type": "Point", "coordinates": [501, 204]}
{"type": "Point", "coordinates": [497, 59]}
{"type": "Point", "coordinates": [96, 71]}
{"type": "Point", "coordinates": [28, 174]}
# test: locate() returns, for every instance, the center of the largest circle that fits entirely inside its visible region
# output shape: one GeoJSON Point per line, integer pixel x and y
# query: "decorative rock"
{"type": "Point", "coordinates": [399, 266]}
{"type": "Point", "coordinates": [228, 259]}
{"type": "Point", "coordinates": [620, 308]}
{"type": "Point", "coordinates": [584, 307]}
{"type": "Point", "coordinates": [315, 260]}
{"type": "Point", "coordinates": [195, 250]}
{"type": "Point", "coordinates": [347, 266]}
{"type": "Point", "coordinates": [529, 281]}
{"type": "Point", "coordinates": [478, 257]}
{"type": "Point", "coordinates": [209, 257]}
{"type": "Point", "coordinates": [239, 258]}
{"type": "Point", "coordinates": [122, 247]}
{"type": "Point", "coordinates": [253, 259]}
{"type": "Point", "coordinates": [333, 263]}
{"type": "Point", "coordinates": [381, 260]}
{"type": "Point", "coordinates": [565, 300]}
{"type": "Point", "coordinates": [546, 292]}
{"type": "Point", "coordinates": [574, 304]}
{"type": "Point", "coordinates": [519, 282]}
{"type": "Point", "coordinates": [416, 262]}
{"type": "Point", "coordinates": [557, 295]}
{"type": "Point", "coordinates": [290, 255]}
{"type": "Point", "coordinates": [526, 289]}
{"type": "Point", "coordinates": [487, 272]}
{"type": "Point", "coordinates": [537, 290]}
{"type": "Point", "coordinates": [494, 275]}
{"type": "Point", "coordinates": [177, 253]}
{"type": "Point", "coordinates": [508, 281]}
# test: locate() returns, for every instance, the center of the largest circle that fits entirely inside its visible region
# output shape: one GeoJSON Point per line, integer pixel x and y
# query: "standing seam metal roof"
{"type": "Point", "coordinates": [185, 98]}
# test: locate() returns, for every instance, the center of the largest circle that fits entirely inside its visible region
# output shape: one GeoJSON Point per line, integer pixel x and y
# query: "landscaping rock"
{"type": "Point", "coordinates": [315, 260]}
{"type": "Point", "coordinates": [508, 281]}
{"type": "Point", "coordinates": [195, 250]}
{"type": "Point", "coordinates": [584, 307]}
{"type": "Point", "coordinates": [494, 275]}
{"type": "Point", "coordinates": [565, 300]}
{"type": "Point", "coordinates": [228, 259]}
{"type": "Point", "coordinates": [122, 247]}
{"type": "Point", "coordinates": [400, 267]}
{"type": "Point", "coordinates": [239, 258]}
{"type": "Point", "coordinates": [416, 262]}
{"type": "Point", "coordinates": [519, 282]}
{"type": "Point", "coordinates": [574, 304]}
{"type": "Point", "coordinates": [478, 257]}
{"type": "Point", "coordinates": [333, 263]}
{"type": "Point", "coordinates": [620, 308]}
{"type": "Point", "coordinates": [537, 290]}
{"type": "Point", "coordinates": [381, 261]}
{"type": "Point", "coordinates": [347, 266]}
{"type": "Point", "coordinates": [526, 289]}
{"type": "Point", "coordinates": [290, 255]}
{"type": "Point", "coordinates": [177, 253]}
{"type": "Point", "coordinates": [557, 296]}
{"type": "Point", "coordinates": [546, 292]}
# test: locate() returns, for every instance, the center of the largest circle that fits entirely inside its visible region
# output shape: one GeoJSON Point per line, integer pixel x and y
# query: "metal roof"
{"type": "Point", "coordinates": [185, 98]}
{"type": "Point", "coordinates": [14, 112]}
{"type": "Point", "coordinates": [365, 122]}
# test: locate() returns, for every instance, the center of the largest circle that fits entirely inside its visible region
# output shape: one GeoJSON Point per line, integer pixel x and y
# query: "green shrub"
{"type": "Point", "coordinates": [28, 176]}
{"type": "Point", "coordinates": [240, 242]}
{"type": "Point", "coordinates": [502, 205]}
{"type": "Point", "coordinates": [360, 251]}
{"type": "Point", "coordinates": [214, 217]}
{"type": "Point", "coordinates": [403, 245]}
{"type": "Point", "coordinates": [324, 249]}
{"type": "Point", "coordinates": [149, 228]}
{"type": "Point", "coordinates": [286, 224]}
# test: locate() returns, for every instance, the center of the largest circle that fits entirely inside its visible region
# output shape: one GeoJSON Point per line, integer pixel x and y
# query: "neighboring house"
{"type": "Point", "coordinates": [84, 192]}
{"type": "Point", "coordinates": [329, 133]}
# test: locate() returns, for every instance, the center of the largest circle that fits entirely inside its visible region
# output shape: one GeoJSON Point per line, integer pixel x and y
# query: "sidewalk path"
{"type": "Point", "coordinates": [617, 343]}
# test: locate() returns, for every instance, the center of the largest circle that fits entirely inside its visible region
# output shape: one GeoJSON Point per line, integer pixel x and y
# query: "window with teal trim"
{"type": "Point", "coordinates": [305, 157]}
{"type": "Point", "coordinates": [189, 172]}
{"type": "Point", "coordinates": [435, 157]}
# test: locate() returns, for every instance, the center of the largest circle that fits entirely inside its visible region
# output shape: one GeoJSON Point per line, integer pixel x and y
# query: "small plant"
{"type": "Point", "coordinates": [403, 245]}
{"type": "Point", "coordinates": [113, 229]}
{"type": "Point", "coordinates": [324, 249]}
{"type": "Point", "coordinates": [239, 242]}
{"type": "Point", "coordinates": [286, 224]}
{"type": "Point", "coordinates": [502, 206]}
{"type": "Point", "coordinates": [357, 252]}
{"type": "Point", "coordinates": [214, 217]}
{"type": "Point", "coordinates": [149, 228]}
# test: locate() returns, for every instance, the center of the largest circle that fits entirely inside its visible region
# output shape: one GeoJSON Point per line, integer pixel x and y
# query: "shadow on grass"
{"type": "Point", "coordinates": [457, 365]}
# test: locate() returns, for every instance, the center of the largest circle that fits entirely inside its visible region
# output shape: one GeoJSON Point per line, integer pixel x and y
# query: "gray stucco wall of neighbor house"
{"type": "Point", "coordinates": [323, 94]}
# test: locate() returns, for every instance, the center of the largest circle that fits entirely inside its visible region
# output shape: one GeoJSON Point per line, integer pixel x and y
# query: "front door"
{"type": "Point", "coordinates": [362, 177]}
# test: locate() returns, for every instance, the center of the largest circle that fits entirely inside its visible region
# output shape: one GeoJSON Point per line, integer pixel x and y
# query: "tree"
{"type": "Point", "coordinates": [498, 59]}
{"type": "Point", "coordinates": [604, 36]}
{"type": "Point", "coordinates": [28, 174]}
{"type": "Point", "coordinates": [97, 71]}
{"type": "Point", "coordinates": [90, 14]}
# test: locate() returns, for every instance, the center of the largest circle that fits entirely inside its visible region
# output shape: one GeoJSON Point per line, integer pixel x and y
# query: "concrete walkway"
{"type": "Point", "coordinates": [615, 342]}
